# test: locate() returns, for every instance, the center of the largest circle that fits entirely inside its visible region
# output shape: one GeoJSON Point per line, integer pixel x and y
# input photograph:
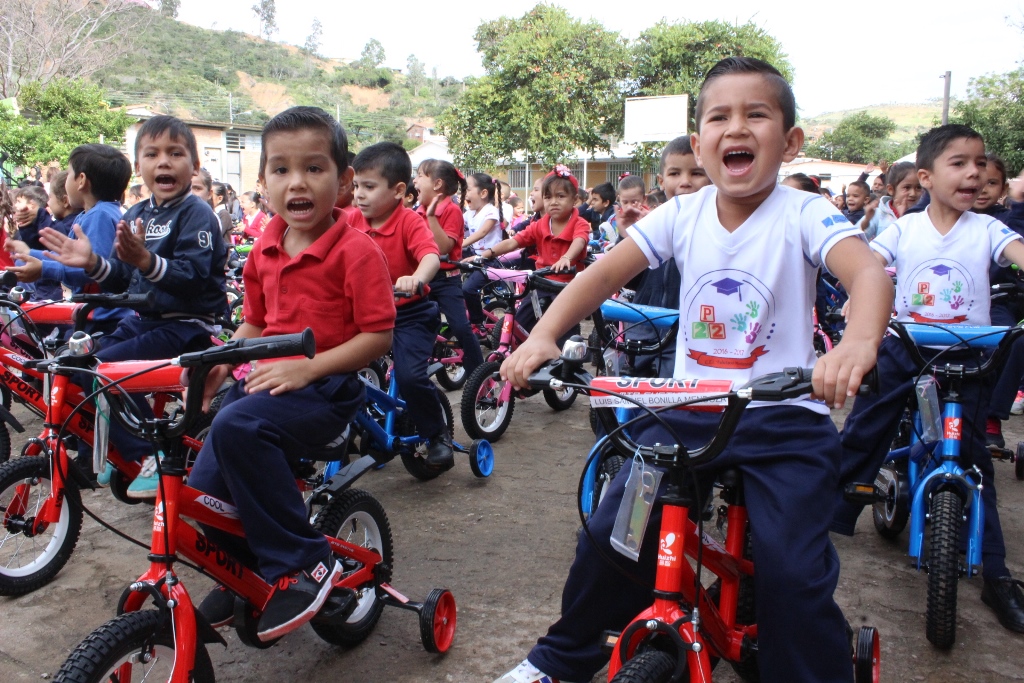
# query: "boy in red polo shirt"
{"type": "Point", "coordinates": [309, 269]}
{"type": "Point", "coordinates": [382, 172]}
{"type": "Point", "coordinates": [560, 237]}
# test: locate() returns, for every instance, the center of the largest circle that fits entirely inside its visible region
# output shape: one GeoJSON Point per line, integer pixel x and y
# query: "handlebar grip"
{"type": "Point", "coordinates": [9, 279]}
{"type": "Point", "coordinates": [245, 350]}
{"type": "Point", "coordinates": [133, 301]}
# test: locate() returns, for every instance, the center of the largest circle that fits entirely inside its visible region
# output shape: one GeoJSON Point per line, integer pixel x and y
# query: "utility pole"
{"type": "Point", "coordinates": [945, 97]}
{"type": "Point", "coordinates": [231, 113]}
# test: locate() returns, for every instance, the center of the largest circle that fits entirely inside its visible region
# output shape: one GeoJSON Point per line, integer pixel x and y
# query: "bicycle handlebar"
{"type": "Point", "coordinates": [133, 301]}
{"type": "Point", "coordinates": [912, 335]}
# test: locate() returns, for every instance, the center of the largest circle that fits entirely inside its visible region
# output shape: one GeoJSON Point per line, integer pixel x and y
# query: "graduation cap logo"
{"type": "Point", "coordinates": [941, 270]}
{"type": "Point", "coordinates": [728, 286]}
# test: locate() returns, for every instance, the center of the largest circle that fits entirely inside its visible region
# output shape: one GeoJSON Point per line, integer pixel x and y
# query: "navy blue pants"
{"type": "Point", "coordinates": [446, 292]}
{"type": "Point", "coordinates": [246, 460]}
{"type": "Point", "coordinates": [1008, 382]}
{"type": "Point", "coordinates": [789, 458]}
{"type": "Point", "coordinates": [872, 425]}
{"type": "Point", "coordinates": [412, 346]}
{"type": "Point", "coordinates": [138, 339]}
{"type": "Point", "coordinates": [471, 292]}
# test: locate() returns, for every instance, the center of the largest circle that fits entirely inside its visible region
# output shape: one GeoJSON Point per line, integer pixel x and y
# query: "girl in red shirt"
{"type": "Point", "coordinates": [254, 218]}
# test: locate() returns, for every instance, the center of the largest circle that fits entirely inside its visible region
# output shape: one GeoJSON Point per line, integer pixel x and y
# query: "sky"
{"type": "Point", "coordinates": [844, 56]}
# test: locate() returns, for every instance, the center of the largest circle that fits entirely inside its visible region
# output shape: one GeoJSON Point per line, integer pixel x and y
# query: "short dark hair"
{"type": "Point", "coordinates": [32, 193]}
{"type": "Point", "coordinates": [681, 145]}
{"type": "Point", "coordinates": [631, 182]}
{"type": "Point", "coordinates": [177, 129]}
{"type": "Point", "coordinates": [387, 158]}
{"type": "Point", "coordinates": [804, 181]}
{"type": "Point", "coordinates": [751, 65]}
{"type": "Point", "coordinates": [862, 185]}
{"type": "Point", "coordinates": [106, 168]}
{"type": "Point", "coordinates": [135, 191]}
{"type": "Point", "coordinates": [934, 143]}
{"type": "Point", "coordinates": [303, 118]}
{"type": "Point", "coordinates": [605, 191]}
{"type": "Point", "coordinates": [58, 187]}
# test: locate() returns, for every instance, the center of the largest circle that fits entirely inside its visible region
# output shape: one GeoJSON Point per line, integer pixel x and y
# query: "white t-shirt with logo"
{"type": "Point", "coordinates": [746, 296]}
{"type": "Point", "coordinates": [476, 219]}
{"type": "Point", "coordinates": [944, 278]}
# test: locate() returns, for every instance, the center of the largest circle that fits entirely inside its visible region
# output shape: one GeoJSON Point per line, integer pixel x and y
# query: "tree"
{"type": "Point", "coordinates": [858, 139]}
{"type": "Point", "coordinates": [372, 55]}
{"type": "Point", "coordinates": [266, 12]}
{"type": "Point", "coordinates": [57, 117]}
{"type": "Point", "coordinates": [995, 108]}
{"type": "Point", "coordinates": [552, 87]}
{"type": "Point", "coordinates": [312, 44]}
{"type": "Point", "coordinates": [673, 59]}
{"type": "Point", "coordinates": [417, 74]}
{"type": "Point", "coordinates": [169, 8]}
{"type": "Point", "coordinates": [45, 39]}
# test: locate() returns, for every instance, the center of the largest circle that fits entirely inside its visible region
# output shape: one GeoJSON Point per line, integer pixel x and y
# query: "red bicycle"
{"type": "Point", "coordinates": [169, 641]}
{"type": "Point", "coordinates": [688, 628]}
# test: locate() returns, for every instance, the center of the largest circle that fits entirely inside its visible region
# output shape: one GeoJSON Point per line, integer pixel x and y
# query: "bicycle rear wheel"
{"type": "Point", "coordinates": [136, 646]}
{"type": "Point", "coordinates": [415, 461]}
{"type": "Point", "coordinates": [943, 568]}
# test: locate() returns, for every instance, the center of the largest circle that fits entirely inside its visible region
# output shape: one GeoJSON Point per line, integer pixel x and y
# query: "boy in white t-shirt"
{"type": "Point", "coordinates": [942, 256]}
{"type": "Point", "coordinates": [748, 252]}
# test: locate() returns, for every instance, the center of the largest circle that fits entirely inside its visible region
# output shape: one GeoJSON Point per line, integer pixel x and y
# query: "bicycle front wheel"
{"type": "Point", "coordinates": [943, 568]}
{"type": "Point", "coordinates": [134, 647]}
{"type": "Point", "coordinates": [484, 414]}
{"type": "Point", "coordinates": [652, 666]}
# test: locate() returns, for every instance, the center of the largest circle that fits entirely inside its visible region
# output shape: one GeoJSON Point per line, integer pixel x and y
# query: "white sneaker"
{"type": "Point", "coordinates": [527, 673]}
{"type": "Point", "coordinates": [1018, 404]}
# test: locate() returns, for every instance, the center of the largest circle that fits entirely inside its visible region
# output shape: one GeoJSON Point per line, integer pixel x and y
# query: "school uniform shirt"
{"type": "Point", "coordinates": [944, 278]}
{"type": "Point", "coordinates": [746, 296]}
{"type": "Point", "coordinates": [255, 224]}
{"type": "Point", "coordinates": [339, 285]}
{"type": "Point", "coordinates": [475, 220]}
{"type": "Point", "coordinates": [453, 224]}
{"type": "Point", "coordinates": [551, 247]}
{"type": "Point", "coordinates": [404, 239]}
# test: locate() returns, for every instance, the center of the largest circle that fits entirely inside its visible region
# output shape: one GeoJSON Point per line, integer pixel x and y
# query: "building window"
{"type": "Point", "coordinates": [517, 177]}
{"type": "Point", "coordinates": [618, 168]}
{"type": "Point", "coordinates": [825, 177]}
{"type": "Point", "coordinates": [235, 140]}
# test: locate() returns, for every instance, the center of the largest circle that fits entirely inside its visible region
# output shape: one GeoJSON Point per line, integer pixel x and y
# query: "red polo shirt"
{"type": "Point", "coordinates": [405, 239]}
{"type": "Point", "coordinates": [339, 285]}
{"type": "Point", "coordinates": [550, 247]}
{"type": "Point", "coordinates": [454, 225]}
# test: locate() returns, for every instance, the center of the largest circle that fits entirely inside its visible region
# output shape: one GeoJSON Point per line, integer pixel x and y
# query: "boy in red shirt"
{"type": "Point", "coordinates": [382, 172]}
{"type": "Point", "coordinates": [310, 268]}
{"type": "Point", "coordinates": [560, 238]}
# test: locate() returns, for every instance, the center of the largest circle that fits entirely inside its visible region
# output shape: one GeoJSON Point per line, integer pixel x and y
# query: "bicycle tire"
{"type": "Point", "coordinates": [121, 640]}
{"type": "Point", "coordinates": [415, 461]}
{"type": "Point", "coordinates": [560, 399]}
{"type": "Point", "coordinates": [943, 568]}
{"type": "Point", "coordinates": [376, 374]}
{"type": "Point", "coordinates": [341, 518]}
{"type": "Point", "coordinates": [892, 514]}
{"type": "Point", "coordinates": [651, 666]}
{"type": "Point", "coordinates": [606, 471]}
{"type": "Point", "coordinates": [34, 471]}
{"type": "Point", "coordinates": [5, 434]}
{"type": "Point", "coordinates": [480, 396]}
{"type": "Point", "coordinates": [451, 376]}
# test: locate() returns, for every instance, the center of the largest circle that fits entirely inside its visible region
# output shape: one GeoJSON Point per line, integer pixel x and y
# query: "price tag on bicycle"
{"type": "Point", "coordinates": [635, 508]}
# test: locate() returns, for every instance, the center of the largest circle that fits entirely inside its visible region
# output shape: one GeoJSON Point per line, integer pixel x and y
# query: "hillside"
{"type": "Point", "coordinates": [911, 119]}
{"type": "Point", "coordinates": [229, 75]}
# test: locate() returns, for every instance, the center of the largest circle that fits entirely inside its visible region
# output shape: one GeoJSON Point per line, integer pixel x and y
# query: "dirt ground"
{"type": "Point", "coordinates": [503, 546]}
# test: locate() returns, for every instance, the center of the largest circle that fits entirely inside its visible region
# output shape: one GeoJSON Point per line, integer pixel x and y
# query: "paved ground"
{"type": "Point", "coordinates": [503, 545]}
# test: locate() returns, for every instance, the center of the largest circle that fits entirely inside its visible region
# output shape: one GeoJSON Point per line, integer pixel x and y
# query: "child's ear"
{"type": "Point", "coordinates": [695, 146]}
{"type": "Point", "coordinates": [923, 175]}
{"type": "Point", "coordinates": [794, 141]}
{"type": "Point", "coordinates": [400, 188]}
{"type": "Point", "coordinates": [661, 180]}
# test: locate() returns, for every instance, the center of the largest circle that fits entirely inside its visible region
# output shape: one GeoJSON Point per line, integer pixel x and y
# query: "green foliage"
{"type": "Point", "coordinates": [859, 139]}
{"type": "Point", "coordinates": [553, 86]}
{"type": "Point", "coordinates": [266, 12]}
{"type": "Point", "coordinates": [372, 55]}
{"type": "Point", "coordinates": [56, 119]}
{"type": "Point", "coordinates": [169, 8]}
{"type": "Point", "coordinates": [995, 108]}
{"type": "Point", "coordinates": [673, 59]}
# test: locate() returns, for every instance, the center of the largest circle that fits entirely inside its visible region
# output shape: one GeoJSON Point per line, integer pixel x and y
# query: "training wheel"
{"type": "Point", "coordinates": [867, 656]}
{"type": "Point", "coordinates": [437, 621]}
{"type": "Point", "coordinates": [481, 457]}
{"type": "Point", "coordinates": [1018, 462]}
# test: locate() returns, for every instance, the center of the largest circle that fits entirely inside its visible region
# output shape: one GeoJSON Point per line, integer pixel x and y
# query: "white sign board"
{"type": "Point", "coordinates": [656, 119]}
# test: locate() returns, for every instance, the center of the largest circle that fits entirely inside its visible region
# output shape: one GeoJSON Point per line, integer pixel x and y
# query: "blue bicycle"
{"type": "Point", "coordinates": [922, 480]}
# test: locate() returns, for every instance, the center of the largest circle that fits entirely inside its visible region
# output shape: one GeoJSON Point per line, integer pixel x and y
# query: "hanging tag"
{"type": "Point", "coordinates": [635, 509]}
{"type": "Point", "coordinates": [926, 389]}
{"type": "Point", "coordinates": [101, 433]}
{"type": "Point", "coordinates": [611, 362]}
{"type": "Point", "coordinates": [535, 302]}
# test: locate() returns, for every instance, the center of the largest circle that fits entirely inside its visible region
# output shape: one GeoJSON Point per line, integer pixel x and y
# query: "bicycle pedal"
{"type": "Point", "coordinates": [338, 606]}
{"type": "Point", "coordinates": [865, 494]}
{"type": "Point", "coordinates": [1001, 453]}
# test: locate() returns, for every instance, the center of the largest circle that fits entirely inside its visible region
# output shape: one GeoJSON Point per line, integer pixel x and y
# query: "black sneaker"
{"type": "Point", "coordinates": [218, 607]}
{"type": "Point", "coordinates": [297, 598]}
{"type": "Point", "coordinates": [1005, 598]}
{"type": "Point", "coordinates": [440, 454]}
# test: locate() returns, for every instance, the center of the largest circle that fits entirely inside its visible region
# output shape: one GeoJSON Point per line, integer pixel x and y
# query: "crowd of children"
{"type": "Point", "coordinates": [352, 247]}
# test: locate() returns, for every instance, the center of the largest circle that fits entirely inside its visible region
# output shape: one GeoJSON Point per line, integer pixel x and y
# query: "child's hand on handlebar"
{"type": "Point", "coordinates": [280, 377]}
{"type": "Point", "coordinates": [561, 264]}
{"type": "Point", "coordinates": [408, 284]}
{"type": "Point", "coordinates": [525, 360]}
{"type": "Point", "coordinates": [838, 374]}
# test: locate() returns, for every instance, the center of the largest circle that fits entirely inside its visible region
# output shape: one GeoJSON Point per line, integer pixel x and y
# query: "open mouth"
{"type": "Point", "coordinates": [738, 161]}
{"type": "Point", "coordinates": [300, 208]}
{"type": "Point", "coordinates": [967, 193]}
{"type": "Point", "coordinates": [165, 182]}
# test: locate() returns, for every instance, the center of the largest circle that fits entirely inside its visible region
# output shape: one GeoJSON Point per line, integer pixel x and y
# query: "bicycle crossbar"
{"type": "Point", "coordinates": [659, 393]}
{"type": "Point", "coordinates": [638, 313]}
{"type": "Point", "coordinates": [979, 336]}
{"type": "Point", "coordinates": [50, 313]}
{"type": "Point", "coordinates": [506, 275]}
{"type": "Point", "coordinates": [155, 378]}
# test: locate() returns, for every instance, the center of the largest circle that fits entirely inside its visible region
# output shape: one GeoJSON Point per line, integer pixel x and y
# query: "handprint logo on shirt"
{"type": "Point", "coordinates": [727, 312]}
